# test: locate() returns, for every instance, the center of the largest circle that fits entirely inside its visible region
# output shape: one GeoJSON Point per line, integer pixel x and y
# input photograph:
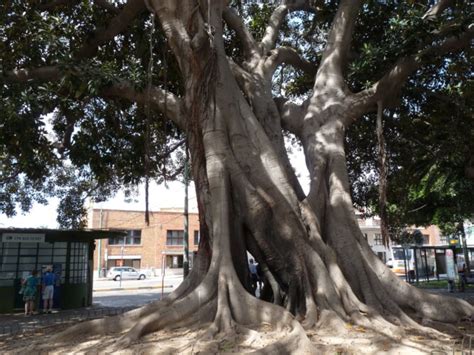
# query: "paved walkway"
{"type": "Point", "coordinates": [15, 323]}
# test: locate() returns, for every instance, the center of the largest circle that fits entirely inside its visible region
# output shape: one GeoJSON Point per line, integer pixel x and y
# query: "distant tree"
{"type": "Point", "coordinates": [405, 237]}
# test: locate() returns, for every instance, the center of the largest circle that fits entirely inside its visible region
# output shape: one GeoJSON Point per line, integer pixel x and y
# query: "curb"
{"type": "Point", "coordinates": [131, 288]}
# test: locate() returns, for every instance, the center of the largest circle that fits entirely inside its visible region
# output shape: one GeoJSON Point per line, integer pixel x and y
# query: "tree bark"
{"type": "Point", "coordinates": [320, 269]}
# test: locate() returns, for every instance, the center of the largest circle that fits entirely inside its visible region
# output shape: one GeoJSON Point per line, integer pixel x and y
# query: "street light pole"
{"type": "Point", "coordinates": [121, 269]}
{"type": "Point", "coordinates": [99, 248]}
{"type": "Point", "coordinates": [186, 215]}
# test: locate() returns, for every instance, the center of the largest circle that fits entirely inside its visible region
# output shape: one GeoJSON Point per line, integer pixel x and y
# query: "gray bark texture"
{"type": "Point", "coordinates": [320, 270]}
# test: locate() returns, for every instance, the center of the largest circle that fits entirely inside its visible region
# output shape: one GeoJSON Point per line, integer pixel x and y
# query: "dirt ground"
{"type": "Point", "coordinates": [352, 340]}
{"type": "Point", "coordinates": [456, 339]}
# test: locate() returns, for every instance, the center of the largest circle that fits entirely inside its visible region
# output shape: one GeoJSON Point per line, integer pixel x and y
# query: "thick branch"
{"type": "Point", "coordinates": [245, 80]}
{"type": "Point", "coordinates": [50, 73]}
{"type": "Point", "coordinates": [167, 103]}
{"type": "Point", "coordinates": [289, 56]}
{"type": "Point", "coordinates": [390, 84]}
{"type": "Point", "coordinates": [338, 45]}
{"type": "Point", "coordinates": [171, 13]}
{"type": "Point", "coordinates": [234, 21]}
{"type": "Point", "coordinates": [276, 20]}
{"type": "Point", "coordinates": [437, 9]}
{"type": "Point", "coordinates": [292, 115]}
{"type": "Point", "coordinates": [116, 26]}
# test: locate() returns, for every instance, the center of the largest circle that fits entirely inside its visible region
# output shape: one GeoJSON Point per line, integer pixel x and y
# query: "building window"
{"type": "Point", "coordinates": [78, 266]}
{"type": "Point", "coordinates": [174, 237]}
{"type": "Point", "coordinates": [196, 237]}
{"type": "Point", "coordinates": [133, 237]}
{"type": "Point", "coordinates": [174, 261]}
{"type": "Point", "coordinates": [443, 240]}
{"type": "Point", "coordinates": [426, 239]}
{"type": "Point", "coordinates": [378, 239]}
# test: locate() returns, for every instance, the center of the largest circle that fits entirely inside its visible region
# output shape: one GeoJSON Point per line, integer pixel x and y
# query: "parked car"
{"type": "Point", "coordinates": [125, 273]}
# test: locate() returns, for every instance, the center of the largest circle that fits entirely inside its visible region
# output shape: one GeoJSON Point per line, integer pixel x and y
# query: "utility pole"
{"type": "Point", "coordinates": [186, 215]}
{"type": "Point", "coordinates": [99, 247]}
{"type": "Point", "coordinates": [121, 268]}
{"type": "Point", "coordinates": [462, 232]}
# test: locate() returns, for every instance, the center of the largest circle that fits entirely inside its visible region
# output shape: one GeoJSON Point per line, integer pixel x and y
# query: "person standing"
{"type": "Point", "coordinates": [48, 290]}
{"type": "Point", "coordinates": [253, 274]}
{"type": "Point", "coordinates": [260, 276]}
{"type": "Point", "coordinates": [30, 288]}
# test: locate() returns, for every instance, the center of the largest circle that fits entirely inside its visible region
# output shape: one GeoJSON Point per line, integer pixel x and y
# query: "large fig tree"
{"type": "Point", "coordinates": [122, 79]}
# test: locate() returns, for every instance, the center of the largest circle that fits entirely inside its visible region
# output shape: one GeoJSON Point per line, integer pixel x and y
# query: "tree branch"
{"type": "Point", "coordinates": [289, 56]}
{"type": "Point", "coordinates": [245, 79]}
{"type": "Point", "coordinates": [276, 20]}
{"type": "Point", "coordinates": [119, 23]}
{"type": "Point", "coordinates": [390, 84]}
{"type": "Point", "coordinates": [437, 9]}
{"type": "Point", "coordinates": [292, 115]}
{"type": "Point", "coordinates": [166, 102]}
{"type": "Point", "coordinates": [169, 104]}
{"type": "Point", "coordinates": [171, 14]}
{"type": "Point", "coordinates": [49, 73]}
{"type": "Point", "coordinates": [235, 22]}
{"type": "Point", "coordinates": [338, 45]}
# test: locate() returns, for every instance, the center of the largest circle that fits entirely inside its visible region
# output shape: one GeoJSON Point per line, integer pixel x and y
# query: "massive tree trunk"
{"type": "Point", "coordinates": [320, 270]}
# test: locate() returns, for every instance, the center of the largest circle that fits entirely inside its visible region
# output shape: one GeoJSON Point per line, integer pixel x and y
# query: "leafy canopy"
{"type": "Point", "coordinates": [66, 137]}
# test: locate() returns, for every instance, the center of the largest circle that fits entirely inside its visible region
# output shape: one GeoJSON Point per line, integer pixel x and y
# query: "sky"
{"type": "Point", "coordinates": [161, 197]}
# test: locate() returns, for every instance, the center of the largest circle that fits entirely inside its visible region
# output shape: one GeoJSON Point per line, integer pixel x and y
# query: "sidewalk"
{"type": "Point", "coordinates": [131, 288]}
{"type": "Point", "coordinates": [16, 323]}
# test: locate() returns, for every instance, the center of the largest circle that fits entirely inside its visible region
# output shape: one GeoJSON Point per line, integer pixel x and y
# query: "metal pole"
{"type": "Point", "coordinates": [162, 274]}
{"type": "Point", "coordinates": [426, 267]}
{"type": "Point", "coordinates": [99, 247]}
{"type": "Point", "coordinates": [121, 269]}
{"type": "Point", "coordinates": [467, 269]}
{"type": "Point", "coordinates": [436, 265]}
{"type": "Point", "coordinates": [416, 264]}
{"type": "Point", "coordinates": [186, 216]}
{"type": "Point", "coordinates": [405, 262]}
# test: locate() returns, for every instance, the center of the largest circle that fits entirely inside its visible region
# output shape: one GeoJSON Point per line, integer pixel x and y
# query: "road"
{"type": "Point", "coordinates": [133, 293]}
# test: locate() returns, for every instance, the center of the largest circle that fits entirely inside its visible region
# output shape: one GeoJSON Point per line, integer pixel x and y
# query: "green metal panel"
{"type": "Point", "coordinates": [7, 295]}
{"type": "Point", "coordinates": [74, 296]}
{"type": "Point", "coordinates": [70, 293]}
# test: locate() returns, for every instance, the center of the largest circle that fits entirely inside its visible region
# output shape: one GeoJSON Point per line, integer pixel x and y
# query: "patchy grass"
{"type": "Point", "coordinates": [439, 284]}
{"type": "Point", "coordinates": [432, 284]}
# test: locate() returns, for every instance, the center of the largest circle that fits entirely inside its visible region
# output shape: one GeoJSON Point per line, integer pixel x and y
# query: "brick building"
{"type": "Point", "coordinates": [144, 246]}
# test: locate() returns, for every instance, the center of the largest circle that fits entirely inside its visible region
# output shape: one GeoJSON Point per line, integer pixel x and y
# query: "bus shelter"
{"type": "Point", "coordinates": [69, 253]}
{"type": "Point", "coordinates": [429, 262]}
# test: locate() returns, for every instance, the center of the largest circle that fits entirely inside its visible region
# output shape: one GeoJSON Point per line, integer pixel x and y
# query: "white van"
{"type": "Point", "coordinates": [397, 261]}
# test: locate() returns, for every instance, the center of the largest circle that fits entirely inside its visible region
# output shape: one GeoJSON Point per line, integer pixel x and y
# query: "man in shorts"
{"type": "Point", "coordinates": [48, 290]}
